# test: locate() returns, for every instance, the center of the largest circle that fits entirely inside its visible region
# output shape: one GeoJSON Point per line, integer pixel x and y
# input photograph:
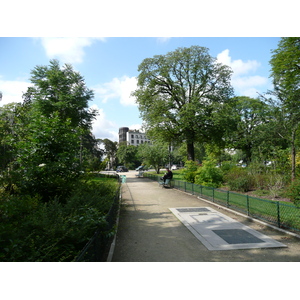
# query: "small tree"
{"type": "Point", "coordinates": [155, 155]}
{"type": "Point", "coordinates": [209, 174]}
{"type": "Point", "coordinates": [127, 155]}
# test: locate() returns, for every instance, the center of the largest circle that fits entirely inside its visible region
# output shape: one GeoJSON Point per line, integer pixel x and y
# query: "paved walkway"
{"type": "Point", "coordinates": [149, 232]}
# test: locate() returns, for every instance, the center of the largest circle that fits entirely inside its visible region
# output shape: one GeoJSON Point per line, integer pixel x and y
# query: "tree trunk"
{"type": "Point", "coordinates": [190, 151]}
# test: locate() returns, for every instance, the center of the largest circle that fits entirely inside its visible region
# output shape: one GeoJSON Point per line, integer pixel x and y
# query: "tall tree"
{"type": "Point", "coordinates": [285, 63]}
{"type": "Point", "coordinates": [110, 150]}
{"type": "Point", "coordinates": [180, 93]}
{"type": "Point", "coordinates": [49, 146]}
{"type": "Point", "coordinates": [61, 89]}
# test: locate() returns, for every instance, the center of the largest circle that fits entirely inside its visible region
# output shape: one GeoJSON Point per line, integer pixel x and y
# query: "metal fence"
{"type": "Point", "coordinates": [97, 248]}
{"type": "Point", "coordinates": [282, 215]}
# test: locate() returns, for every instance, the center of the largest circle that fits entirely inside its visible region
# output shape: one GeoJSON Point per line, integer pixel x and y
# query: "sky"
{"type": "Point", "coordinates": [110, 68]}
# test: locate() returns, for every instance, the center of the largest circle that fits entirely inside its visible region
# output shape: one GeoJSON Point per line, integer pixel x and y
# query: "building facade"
{"type": "Point", "coordinates": [123, 134]}
{"type": "Point", "coordinates": [132, 137]}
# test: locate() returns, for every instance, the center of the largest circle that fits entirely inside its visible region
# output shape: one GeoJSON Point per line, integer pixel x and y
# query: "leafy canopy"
{"type": "Point", "coordinates": [180, 93]}
{"type": "Point", "coordinates": [51, 132]}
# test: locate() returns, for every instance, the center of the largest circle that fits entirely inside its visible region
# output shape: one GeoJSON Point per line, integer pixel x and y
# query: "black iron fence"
{"type": "Point", "coordinates": [282, 215]}
{"type": "Point", "coordinates": [97, 248]}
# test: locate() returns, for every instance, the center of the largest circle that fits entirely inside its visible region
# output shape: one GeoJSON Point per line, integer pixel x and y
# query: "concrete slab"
{"type": "Point", "coordinates": [217, 231]}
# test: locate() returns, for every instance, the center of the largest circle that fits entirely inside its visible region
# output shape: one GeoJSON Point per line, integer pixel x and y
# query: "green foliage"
{"type": "Point", "coordinates": [46, 141]}
{"type": "Point", "coordinates": [285, 64]}
{"type": "Point", "coordinates": [155, 155]}
{"type": "Point", "coordinates": [110, 150]}
{"type": "Point", "coordinates": [249, 116]}
{"type": "Point", "coordinates": [293, 192]}
{"type": "Point", "coordinates": [127, 155]}
{"type": "Point", "coordinates": [62, 90]}
{"type": "Point", "coordinates": [189, 171]}
{"type": "Point", "coordinates": [181, 96]}
{"type": "Point", "coordinates": [47, 161]}
{"type": "Point", "coordinates": [227, 166]}
{"type": "Point", "coordinates": [238, 179]}
{"type": "Point", "coordinates": [209, 175]}
{"type": "Point", "coordinates": [286, 81]}
{"type": "Point", "coordinates": [32, 230]}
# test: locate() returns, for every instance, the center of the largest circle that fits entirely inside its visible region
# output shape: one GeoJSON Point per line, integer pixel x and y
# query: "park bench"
{"type": "Point", "coordinates": [167, 183]}
{"type": "Point", "coordinates": [140, 174]}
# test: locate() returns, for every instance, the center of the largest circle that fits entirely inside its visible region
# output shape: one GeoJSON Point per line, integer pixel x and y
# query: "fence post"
{"type": "Point", "coordinates": [278, 214]}
{"type": "Point", "coordinates": [227, 199]}
{"type": "Point", "coordinates": [248, 210]}
{"type": "Point", "coordinates": [213, 194]}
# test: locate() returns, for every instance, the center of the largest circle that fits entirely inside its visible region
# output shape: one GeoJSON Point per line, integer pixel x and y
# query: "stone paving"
{"type": "Point", "coordinates": [217, 231]}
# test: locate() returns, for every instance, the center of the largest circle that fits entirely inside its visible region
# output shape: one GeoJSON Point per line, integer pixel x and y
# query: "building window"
{"type": "Point", "coordinates": [132, 142]}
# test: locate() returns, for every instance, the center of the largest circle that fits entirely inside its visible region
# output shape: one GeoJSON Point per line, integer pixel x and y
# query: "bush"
{"type": "Point", "coordinates": [275, 184]}
{"type": "Point", "coordinates": [32, 230]}
{"type": "Point", "coordinates": [238, 179]}
{"type": "Point", "coordinates": [190, 170]}
{"type": "Point", "coordinates": [209, 174]}
{"type": "Point", "coordinates": [227, 166]}
{"type": "Point", "coordinates": [261, 181]}
{"type": "Point", "coordinates": [293, 192]}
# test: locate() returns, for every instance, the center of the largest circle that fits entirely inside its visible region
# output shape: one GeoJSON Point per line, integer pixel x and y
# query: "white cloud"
{"type": "Point", "coordinates": [238, 66]}
{"type": "Point", "coordinates": [117, 88]}
{"type": "Point", "coordinates": [103, 128]}
{"type": "Point", "coordinates": [243, 83]}
{"type": "Point", "coordinates": [13, 90]}
{"type": "Point", "coordinates": [136, 126]}
{"type": "Point", "coordinates": [249, 81]}
{"type": "Point", "coordinates": [163, 39]}
{"type": "Point", "coordinates": [67, 49]}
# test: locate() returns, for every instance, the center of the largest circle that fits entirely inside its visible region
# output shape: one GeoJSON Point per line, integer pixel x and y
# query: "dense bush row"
{"type": "Point", "coordinates": [242, 179]}
{"type": "Point", "coordinates": [34, 230]}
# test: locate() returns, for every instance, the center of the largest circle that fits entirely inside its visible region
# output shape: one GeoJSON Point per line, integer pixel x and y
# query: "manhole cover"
{"type": "Point", "coordinates": [237, 236]}
{"type": "Point", "coordinates": [193, 209]}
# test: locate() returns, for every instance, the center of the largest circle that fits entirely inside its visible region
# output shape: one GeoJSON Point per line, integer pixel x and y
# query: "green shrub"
{"type": "Point", "coordinates": [293, 192]}
{"type": "Point", "coordinates": [227, 166]}
{"type": "Point", "coordinates": [31, 230]}
{"type": "Point", "coordinates": [238, 179]}
{"type": "Point", "coordinates": [261, 181]}
{"type": "Point", "coordinates": [209, 174]}
{"type": "Point", "coordinates": [189, 172]}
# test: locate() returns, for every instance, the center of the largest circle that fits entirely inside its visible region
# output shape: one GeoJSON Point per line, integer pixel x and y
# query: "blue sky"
{"type": "Point", "coordinates": [109, 67]}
